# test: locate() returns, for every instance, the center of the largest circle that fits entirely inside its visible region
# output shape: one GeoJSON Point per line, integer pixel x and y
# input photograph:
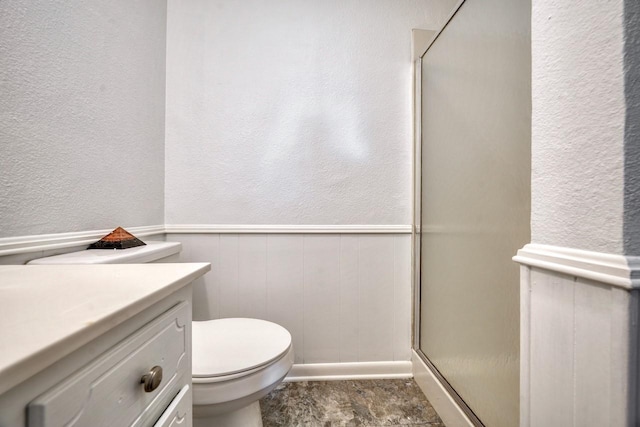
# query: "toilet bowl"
{"type": "Point", "coordinates": [235, 362]}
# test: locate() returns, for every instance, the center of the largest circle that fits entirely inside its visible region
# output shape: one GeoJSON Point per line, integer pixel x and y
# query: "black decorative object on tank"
{"type": "Point", "coordinates": [117, 239]}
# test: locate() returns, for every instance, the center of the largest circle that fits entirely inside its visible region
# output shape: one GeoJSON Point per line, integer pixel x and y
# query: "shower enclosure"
{"type": "Point", "coordinates": [473, 91]}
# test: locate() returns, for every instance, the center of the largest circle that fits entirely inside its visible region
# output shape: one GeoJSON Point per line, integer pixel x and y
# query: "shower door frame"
{"type": "Point", "coordinates": [416, 228]}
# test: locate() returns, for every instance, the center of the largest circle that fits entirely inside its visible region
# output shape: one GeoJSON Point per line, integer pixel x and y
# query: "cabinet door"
{"type": "Point", "coordinates": [109, 392]}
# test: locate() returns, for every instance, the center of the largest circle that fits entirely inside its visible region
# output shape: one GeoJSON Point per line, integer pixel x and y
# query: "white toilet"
{"type": "Point", "coordinates": [235, 361]}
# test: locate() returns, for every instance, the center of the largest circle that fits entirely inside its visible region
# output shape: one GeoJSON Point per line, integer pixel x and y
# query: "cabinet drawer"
{"type": "Point", "coordinates": [177, 414]}
{"type": "Point", "coordinates": [108, 391]}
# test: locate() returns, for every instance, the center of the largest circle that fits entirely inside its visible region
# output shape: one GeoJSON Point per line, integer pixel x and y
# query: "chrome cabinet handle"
{"type": "Point", "coordinates": [152, 379]}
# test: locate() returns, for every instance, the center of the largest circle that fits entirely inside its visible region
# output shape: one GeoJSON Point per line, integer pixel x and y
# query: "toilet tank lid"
{"type": "Point", "coordinates": [152, 251]}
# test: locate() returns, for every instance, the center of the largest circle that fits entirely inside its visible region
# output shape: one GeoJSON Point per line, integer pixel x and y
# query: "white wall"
{"type": "Point", "coordinates": [291, 112]}
{"type": "Point", "coordinates": [343, 297]}
{"type": "Point", "coordinates": [281, 112]}
{"type": "Point", "coordinates": [578, 124]}
{"type": "Point", "coordinates": [632, 127]}
{"type": "Point", "coordinates": [297, 112]}
{"type": "Point", "coordinates": [82, 90]}
{"type": "Point", "coordinates": [579, 329]}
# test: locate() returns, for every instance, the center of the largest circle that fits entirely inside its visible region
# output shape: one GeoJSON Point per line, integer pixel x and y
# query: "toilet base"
{"type": "Point", "coordinates": [247, 416]}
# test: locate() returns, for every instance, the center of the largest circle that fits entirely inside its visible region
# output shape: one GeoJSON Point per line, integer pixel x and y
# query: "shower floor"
{"type": "Point", "coordinates": [396, 402]}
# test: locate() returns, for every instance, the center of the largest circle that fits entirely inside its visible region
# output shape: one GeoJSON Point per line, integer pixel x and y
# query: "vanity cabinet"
{"type": "Point", "coordinates": [135, 373]}
{"type": "Point", "coordinates": [110, 391]}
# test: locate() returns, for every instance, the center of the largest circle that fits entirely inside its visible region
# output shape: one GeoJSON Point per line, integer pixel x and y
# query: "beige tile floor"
{"type": "Point", "coordinates": [348, 403]}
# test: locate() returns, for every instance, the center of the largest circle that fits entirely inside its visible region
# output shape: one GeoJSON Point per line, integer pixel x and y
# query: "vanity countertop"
{"type": "Point", "coordinates": [49, 311]}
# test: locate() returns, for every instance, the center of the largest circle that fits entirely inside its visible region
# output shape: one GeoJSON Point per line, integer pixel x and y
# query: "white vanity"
{"type": "Point", "coordinates": [96, 345]}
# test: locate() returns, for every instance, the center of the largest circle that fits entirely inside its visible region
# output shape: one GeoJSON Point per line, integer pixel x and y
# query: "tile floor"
{"type": "Point", "coordinates": [348, 403]}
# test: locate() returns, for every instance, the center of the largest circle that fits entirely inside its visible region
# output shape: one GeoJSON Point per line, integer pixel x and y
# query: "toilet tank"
{"type": "Point", "coordinates": [151, 252]}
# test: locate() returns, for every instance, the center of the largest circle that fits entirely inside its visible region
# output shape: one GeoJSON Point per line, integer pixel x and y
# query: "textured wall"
{"type": "Point", "coordinates": [291, 112]}
{"type": "Point", "coordinates": [632, 128]}
{"type": "Point", "coordinates": [82, 115]}
{"type": "Point", "coordinates": [578, 124]}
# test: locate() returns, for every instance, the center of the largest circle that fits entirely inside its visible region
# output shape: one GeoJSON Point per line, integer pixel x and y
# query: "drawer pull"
{"type": "Point", "coordinates": [152, 379]}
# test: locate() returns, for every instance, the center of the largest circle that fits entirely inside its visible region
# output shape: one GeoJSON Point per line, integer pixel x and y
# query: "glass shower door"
{"type": "Point", "coordinates": [475, 202]}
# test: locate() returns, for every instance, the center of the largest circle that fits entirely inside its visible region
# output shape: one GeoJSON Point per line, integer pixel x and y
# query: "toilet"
{"type": "Point", "coordinates": [235, 362]}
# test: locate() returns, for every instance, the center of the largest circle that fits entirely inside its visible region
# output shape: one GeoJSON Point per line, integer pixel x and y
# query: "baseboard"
{"type": "Point", "coordinates": [450, 413]}
{"type": "Point", "coordinates": [349, 371]}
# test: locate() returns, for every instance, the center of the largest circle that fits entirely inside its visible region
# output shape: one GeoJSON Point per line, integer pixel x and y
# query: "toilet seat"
{"type": "Point", "coordinates": [225, 349]}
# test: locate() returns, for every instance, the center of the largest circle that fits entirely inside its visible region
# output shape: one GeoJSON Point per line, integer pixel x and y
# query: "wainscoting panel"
{"type": "Point", "coordinates": [285, 277]}
{"type": "Point", "coordinates": [252, 276]}
{"type": "Point", "coordinates": [402, 298]}
{"type": "Point", "coordinates": [343, 297]}
{"type": "Point", "coordinates": [349, 297]}
{"type": "Point", "coordinates": [376, 297]}
{"type": "Point", "coordinates": [579, 338]}
{"type": "Point", "coordinates": [555, 331]}
{"type": "Point", "coordinates": [321, 287]}
{"type": "Point", "coordinates": [227, 297]}
{"type": "Point", "coordinates": [344, 292]}
{"type": "Point", "coordinates": [579, 352]}
{"type": "Point", "coordinates": [593, 311]}
{"type": "Point", "coordinates": [202, 303]}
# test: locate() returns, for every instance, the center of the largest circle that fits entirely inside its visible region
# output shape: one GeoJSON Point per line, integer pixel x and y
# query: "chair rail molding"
{"type": "Point", "coordinates": [287, 229]}
{"type": "Point", "coordinates": [616, 270]}
{"type": "Point", "coordinates": [44, 242]}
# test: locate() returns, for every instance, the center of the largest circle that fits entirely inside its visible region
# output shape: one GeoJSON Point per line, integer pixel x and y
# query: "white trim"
{"type": "Point", "coordinates": [448, 410]}
{"type": "Point", "coordinates": [615, 270]}
{"type": "Point", "coordinates": [287, 229]}
{"type": "Point", "coordinates": [349, 371]}
{"type": "Point", "coordinates": [416, 192]}
{"type": "Point", "coordinates": [42, 242]}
